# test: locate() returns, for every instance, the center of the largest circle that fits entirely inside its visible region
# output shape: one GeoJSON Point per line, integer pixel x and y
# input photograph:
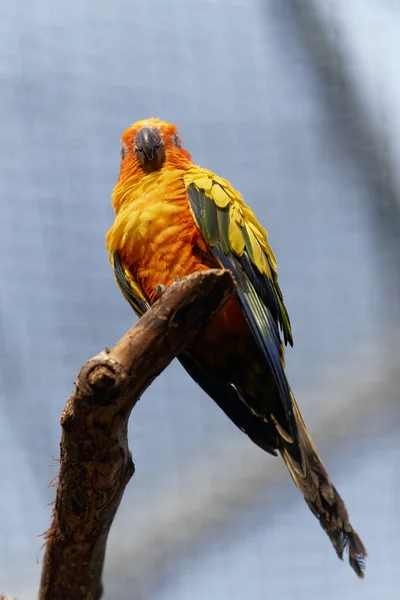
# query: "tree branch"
{"type": "Point", "coordinates": [96, 463]}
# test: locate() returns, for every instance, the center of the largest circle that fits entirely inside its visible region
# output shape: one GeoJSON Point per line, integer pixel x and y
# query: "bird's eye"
{"type": "Point", "coordinates": [124, 151]}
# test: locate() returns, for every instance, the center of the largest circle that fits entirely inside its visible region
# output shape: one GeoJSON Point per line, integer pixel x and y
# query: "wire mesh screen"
{"type": "Point", "coordinates": [273, 96]}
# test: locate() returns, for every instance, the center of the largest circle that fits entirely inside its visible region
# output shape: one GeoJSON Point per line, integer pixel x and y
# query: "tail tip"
{"type": "Point", "coordinates": [356, 549]}
{"type": "Point", "coordinates": [357, 558]}
{"type": "Point", "coordinates": [358, 564]}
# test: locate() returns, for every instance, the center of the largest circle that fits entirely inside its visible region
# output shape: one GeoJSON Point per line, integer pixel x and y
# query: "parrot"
{"type": "Point", "coordinates": [174, 218]}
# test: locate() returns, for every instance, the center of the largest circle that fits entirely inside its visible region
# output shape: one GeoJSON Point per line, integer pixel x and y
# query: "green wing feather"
{"type": "Point", "coordinates": [128, 286]}
{"type": "Point", "coordinates": [240, 244]}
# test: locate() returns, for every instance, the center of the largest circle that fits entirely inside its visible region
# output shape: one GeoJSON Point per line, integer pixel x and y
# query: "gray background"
{"type": "Point", "coordinates": [296, 103]}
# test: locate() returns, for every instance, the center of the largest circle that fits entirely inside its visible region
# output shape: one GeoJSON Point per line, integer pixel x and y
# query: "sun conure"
{"type": "Point", "coordinates": [174, 218]}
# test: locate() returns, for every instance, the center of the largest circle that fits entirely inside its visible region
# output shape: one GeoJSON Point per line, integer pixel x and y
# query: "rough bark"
{"type": "Point", "coordinates": [95, 461]}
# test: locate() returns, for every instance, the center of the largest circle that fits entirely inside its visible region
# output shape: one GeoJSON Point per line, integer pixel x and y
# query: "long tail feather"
{"type": "Point", "coordinates": [323, 499]}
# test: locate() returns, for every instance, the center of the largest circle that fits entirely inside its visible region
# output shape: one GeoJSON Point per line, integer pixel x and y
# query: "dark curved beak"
{"type": "Point", "coordinates": [147, 143]}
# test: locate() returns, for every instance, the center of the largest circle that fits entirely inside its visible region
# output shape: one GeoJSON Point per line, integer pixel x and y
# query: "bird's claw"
{"type": "Point", "coordinates": [160, 289]}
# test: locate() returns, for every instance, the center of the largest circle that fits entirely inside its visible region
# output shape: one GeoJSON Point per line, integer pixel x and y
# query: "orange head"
{"type": "Point", "coordinates": [150, 145]}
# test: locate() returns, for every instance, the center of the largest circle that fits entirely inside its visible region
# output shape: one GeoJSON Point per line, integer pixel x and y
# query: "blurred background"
{"type": "Point", "coordinates": [314, 88]}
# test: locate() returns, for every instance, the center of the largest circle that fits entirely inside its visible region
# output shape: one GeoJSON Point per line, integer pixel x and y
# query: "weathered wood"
{"type": "Point", "coordinates": [95, 461]}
